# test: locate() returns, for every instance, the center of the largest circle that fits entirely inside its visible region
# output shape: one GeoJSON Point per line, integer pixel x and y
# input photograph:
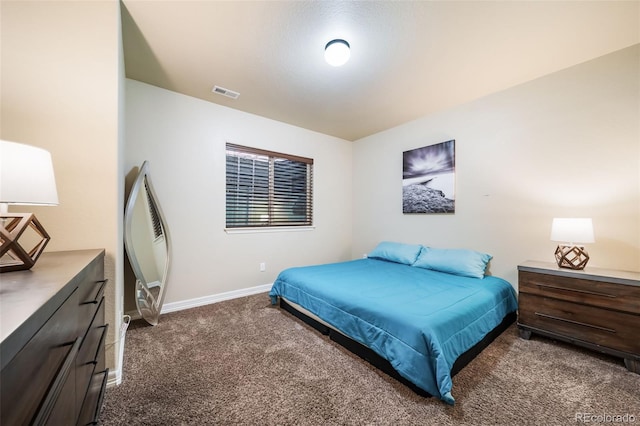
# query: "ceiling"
{"type": "Point", "coordinates": [408, 59]}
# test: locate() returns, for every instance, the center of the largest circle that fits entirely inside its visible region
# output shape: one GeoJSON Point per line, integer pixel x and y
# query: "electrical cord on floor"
{"type": "Point", "coordinates": [126, 320]}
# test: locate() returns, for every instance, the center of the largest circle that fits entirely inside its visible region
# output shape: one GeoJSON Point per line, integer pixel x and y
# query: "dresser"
{"type": "Point", "coordinates": [595, 308]}
{"type": "Point", "coordinates": [53, 335]}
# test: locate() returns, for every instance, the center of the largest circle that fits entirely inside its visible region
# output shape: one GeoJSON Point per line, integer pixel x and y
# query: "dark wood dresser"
{"type": "Point", "coordinates": [53, 335]}
{"type": "Point", "coordinates": [595, 308]}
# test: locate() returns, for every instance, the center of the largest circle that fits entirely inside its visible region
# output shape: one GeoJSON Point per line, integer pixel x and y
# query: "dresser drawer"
{"type": "Point", "coordinates": [58, 407]}
{"type": "Point", "coordinates": [603, 327]}
{"type": "Point", "coordinates": [89, 355]}
{"type": "Point", "coordinates": [63, 412]}
{"type": "Point", "coordinates": [87, 289]}
{"type": "Point", "coordinates": [594, 293]}
{"type": "Point", "coordinates": [90, 292]}
{"type": "Point", "coordinates": [27, 378]}
{"type": "Point", "coordinates": [91, 408]}
{"type": "Point", "coordinates": [90, 303]}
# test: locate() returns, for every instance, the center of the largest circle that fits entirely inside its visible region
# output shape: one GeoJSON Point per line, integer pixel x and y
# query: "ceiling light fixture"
{"type": "Point", "coordinates": [337, 52]}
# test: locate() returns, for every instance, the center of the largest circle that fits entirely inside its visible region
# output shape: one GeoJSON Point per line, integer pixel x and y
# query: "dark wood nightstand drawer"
{"type": "Point", "coordinates": [594, 293]}
{"type": "Point", "coordinates": [603, 327]}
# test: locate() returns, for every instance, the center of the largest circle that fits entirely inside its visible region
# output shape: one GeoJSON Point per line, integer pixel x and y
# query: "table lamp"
{"type": "Point", "coordinates": [26, 178]}
{"type": "Point", "coordinates": [569, 231]}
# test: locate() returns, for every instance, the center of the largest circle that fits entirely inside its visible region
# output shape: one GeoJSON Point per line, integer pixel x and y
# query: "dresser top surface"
{"type": "Point", "coordinates": [588, 273]}
{"type": "Point", "coordinates": [29, 298]}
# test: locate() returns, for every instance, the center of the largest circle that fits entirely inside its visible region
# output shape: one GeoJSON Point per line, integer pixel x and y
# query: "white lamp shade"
{"type": "Point", "coordinates": [26, 175]}
{"type": "Point", "coordinates": [337, 52]}
{"type": "Point", "coordinates": [572, 230]}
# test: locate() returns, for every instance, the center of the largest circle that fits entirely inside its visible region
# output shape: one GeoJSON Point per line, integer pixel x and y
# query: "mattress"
{"type": "Point", "coordinates": [419, 320]}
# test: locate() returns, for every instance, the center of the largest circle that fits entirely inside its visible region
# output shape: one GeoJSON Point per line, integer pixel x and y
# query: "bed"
{"type": "Point", "coordinates": [417, 323]}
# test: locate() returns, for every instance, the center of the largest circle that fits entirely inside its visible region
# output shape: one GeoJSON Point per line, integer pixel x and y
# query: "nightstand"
{"type": "Point", "coordinates": [596, 308]}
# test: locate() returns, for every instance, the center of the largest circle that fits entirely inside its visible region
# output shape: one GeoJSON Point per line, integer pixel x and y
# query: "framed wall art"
{"type": "Point", "coordinates": [428, 179]}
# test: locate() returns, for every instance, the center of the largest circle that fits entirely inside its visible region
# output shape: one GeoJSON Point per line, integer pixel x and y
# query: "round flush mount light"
{"type": "Point", "coordinates": [337, 52]}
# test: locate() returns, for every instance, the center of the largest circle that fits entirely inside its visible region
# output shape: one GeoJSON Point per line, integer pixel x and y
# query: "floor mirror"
{"type": "Point", "coordinates": [147, 245]}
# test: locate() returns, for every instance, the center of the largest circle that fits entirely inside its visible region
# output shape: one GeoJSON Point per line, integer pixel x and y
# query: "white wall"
{"type": "Point", "coordinates": [183, 139]}
{"type": "Point", "coordinates": [61, 90]}
{"type": "Point", "coordinates": [565, 145]}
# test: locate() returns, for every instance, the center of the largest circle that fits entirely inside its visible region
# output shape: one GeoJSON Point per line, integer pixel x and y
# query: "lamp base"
{"type": "Point", "coordinates": [13, 257]}
{"type": "Point", "coordinates": [571, 257]}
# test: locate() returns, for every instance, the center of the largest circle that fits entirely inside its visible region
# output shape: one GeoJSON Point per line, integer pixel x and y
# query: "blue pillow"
{"type": "Point", "coordinates": [396, 252]}
{"type": "Point", "coordinates": [467, 263]}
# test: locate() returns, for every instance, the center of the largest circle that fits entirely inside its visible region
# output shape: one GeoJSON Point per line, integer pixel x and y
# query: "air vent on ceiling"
{"type": "Point", "coordinates": [225, 92]}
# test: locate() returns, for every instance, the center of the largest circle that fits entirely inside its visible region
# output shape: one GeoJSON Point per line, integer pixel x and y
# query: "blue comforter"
{"type": "Point", "coordinates": [420, 320]}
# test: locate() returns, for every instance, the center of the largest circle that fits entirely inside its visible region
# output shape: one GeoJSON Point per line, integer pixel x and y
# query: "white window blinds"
{"type": "Point", "coordinates": [267, 189]}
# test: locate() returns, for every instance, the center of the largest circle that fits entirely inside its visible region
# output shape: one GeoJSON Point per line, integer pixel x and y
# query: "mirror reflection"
{"type": "Point", "coordinates": [147, 246]}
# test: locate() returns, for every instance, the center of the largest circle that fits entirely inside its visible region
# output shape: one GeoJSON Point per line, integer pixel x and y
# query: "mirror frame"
{"type": "Point", "coordinates": [149, 305]}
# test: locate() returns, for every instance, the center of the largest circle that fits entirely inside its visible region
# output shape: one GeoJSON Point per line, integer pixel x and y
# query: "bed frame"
{"type": "Point", "coordinates": [382, 364]}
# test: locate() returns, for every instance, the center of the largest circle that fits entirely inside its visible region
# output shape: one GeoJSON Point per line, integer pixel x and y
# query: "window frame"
{"type": "Point", "coordinates": [274, 221]}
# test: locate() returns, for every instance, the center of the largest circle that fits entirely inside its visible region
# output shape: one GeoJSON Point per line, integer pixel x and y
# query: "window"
{"type": "Point", "coordinates": [268, 189]}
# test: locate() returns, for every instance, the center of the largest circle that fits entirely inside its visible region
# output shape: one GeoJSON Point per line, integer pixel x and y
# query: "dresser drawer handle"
{"type": "Point", "coordinates": [575, 322]}
{"type": "Point", "coordinates": [101, 343]}
{"type": "Point", "coordinates": [59, 382]}
{"type": "Point", "coordinates": [96, 298]}
{"type": "Point", "coordinates": [594, 293]}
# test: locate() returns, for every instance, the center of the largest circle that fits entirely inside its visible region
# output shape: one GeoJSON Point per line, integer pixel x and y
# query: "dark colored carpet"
{"type": "Point", "coordinates": [246, 362]}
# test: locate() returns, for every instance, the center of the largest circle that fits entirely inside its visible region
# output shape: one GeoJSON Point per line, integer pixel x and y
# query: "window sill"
{"type": "Point", "coordinates": [259, 230]}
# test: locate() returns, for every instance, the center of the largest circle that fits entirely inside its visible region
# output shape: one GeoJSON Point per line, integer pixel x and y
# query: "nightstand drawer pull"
{"type": "Point", "coordinates": [575, 322]}
{"type": "Point", "coordinates": [595, 293]}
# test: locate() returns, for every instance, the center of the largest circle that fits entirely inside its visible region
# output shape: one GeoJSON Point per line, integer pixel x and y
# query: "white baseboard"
{"type": "Point", "coordinates": [214, 298]}
{"type": "Point", "coordinates": [115, 378]}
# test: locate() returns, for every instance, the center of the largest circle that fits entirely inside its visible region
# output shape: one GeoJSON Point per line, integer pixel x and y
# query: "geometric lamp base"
{"type": "Point", "coordinates": [13, 256]}
{"type": "Point", "coordinates": [571, 257]}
